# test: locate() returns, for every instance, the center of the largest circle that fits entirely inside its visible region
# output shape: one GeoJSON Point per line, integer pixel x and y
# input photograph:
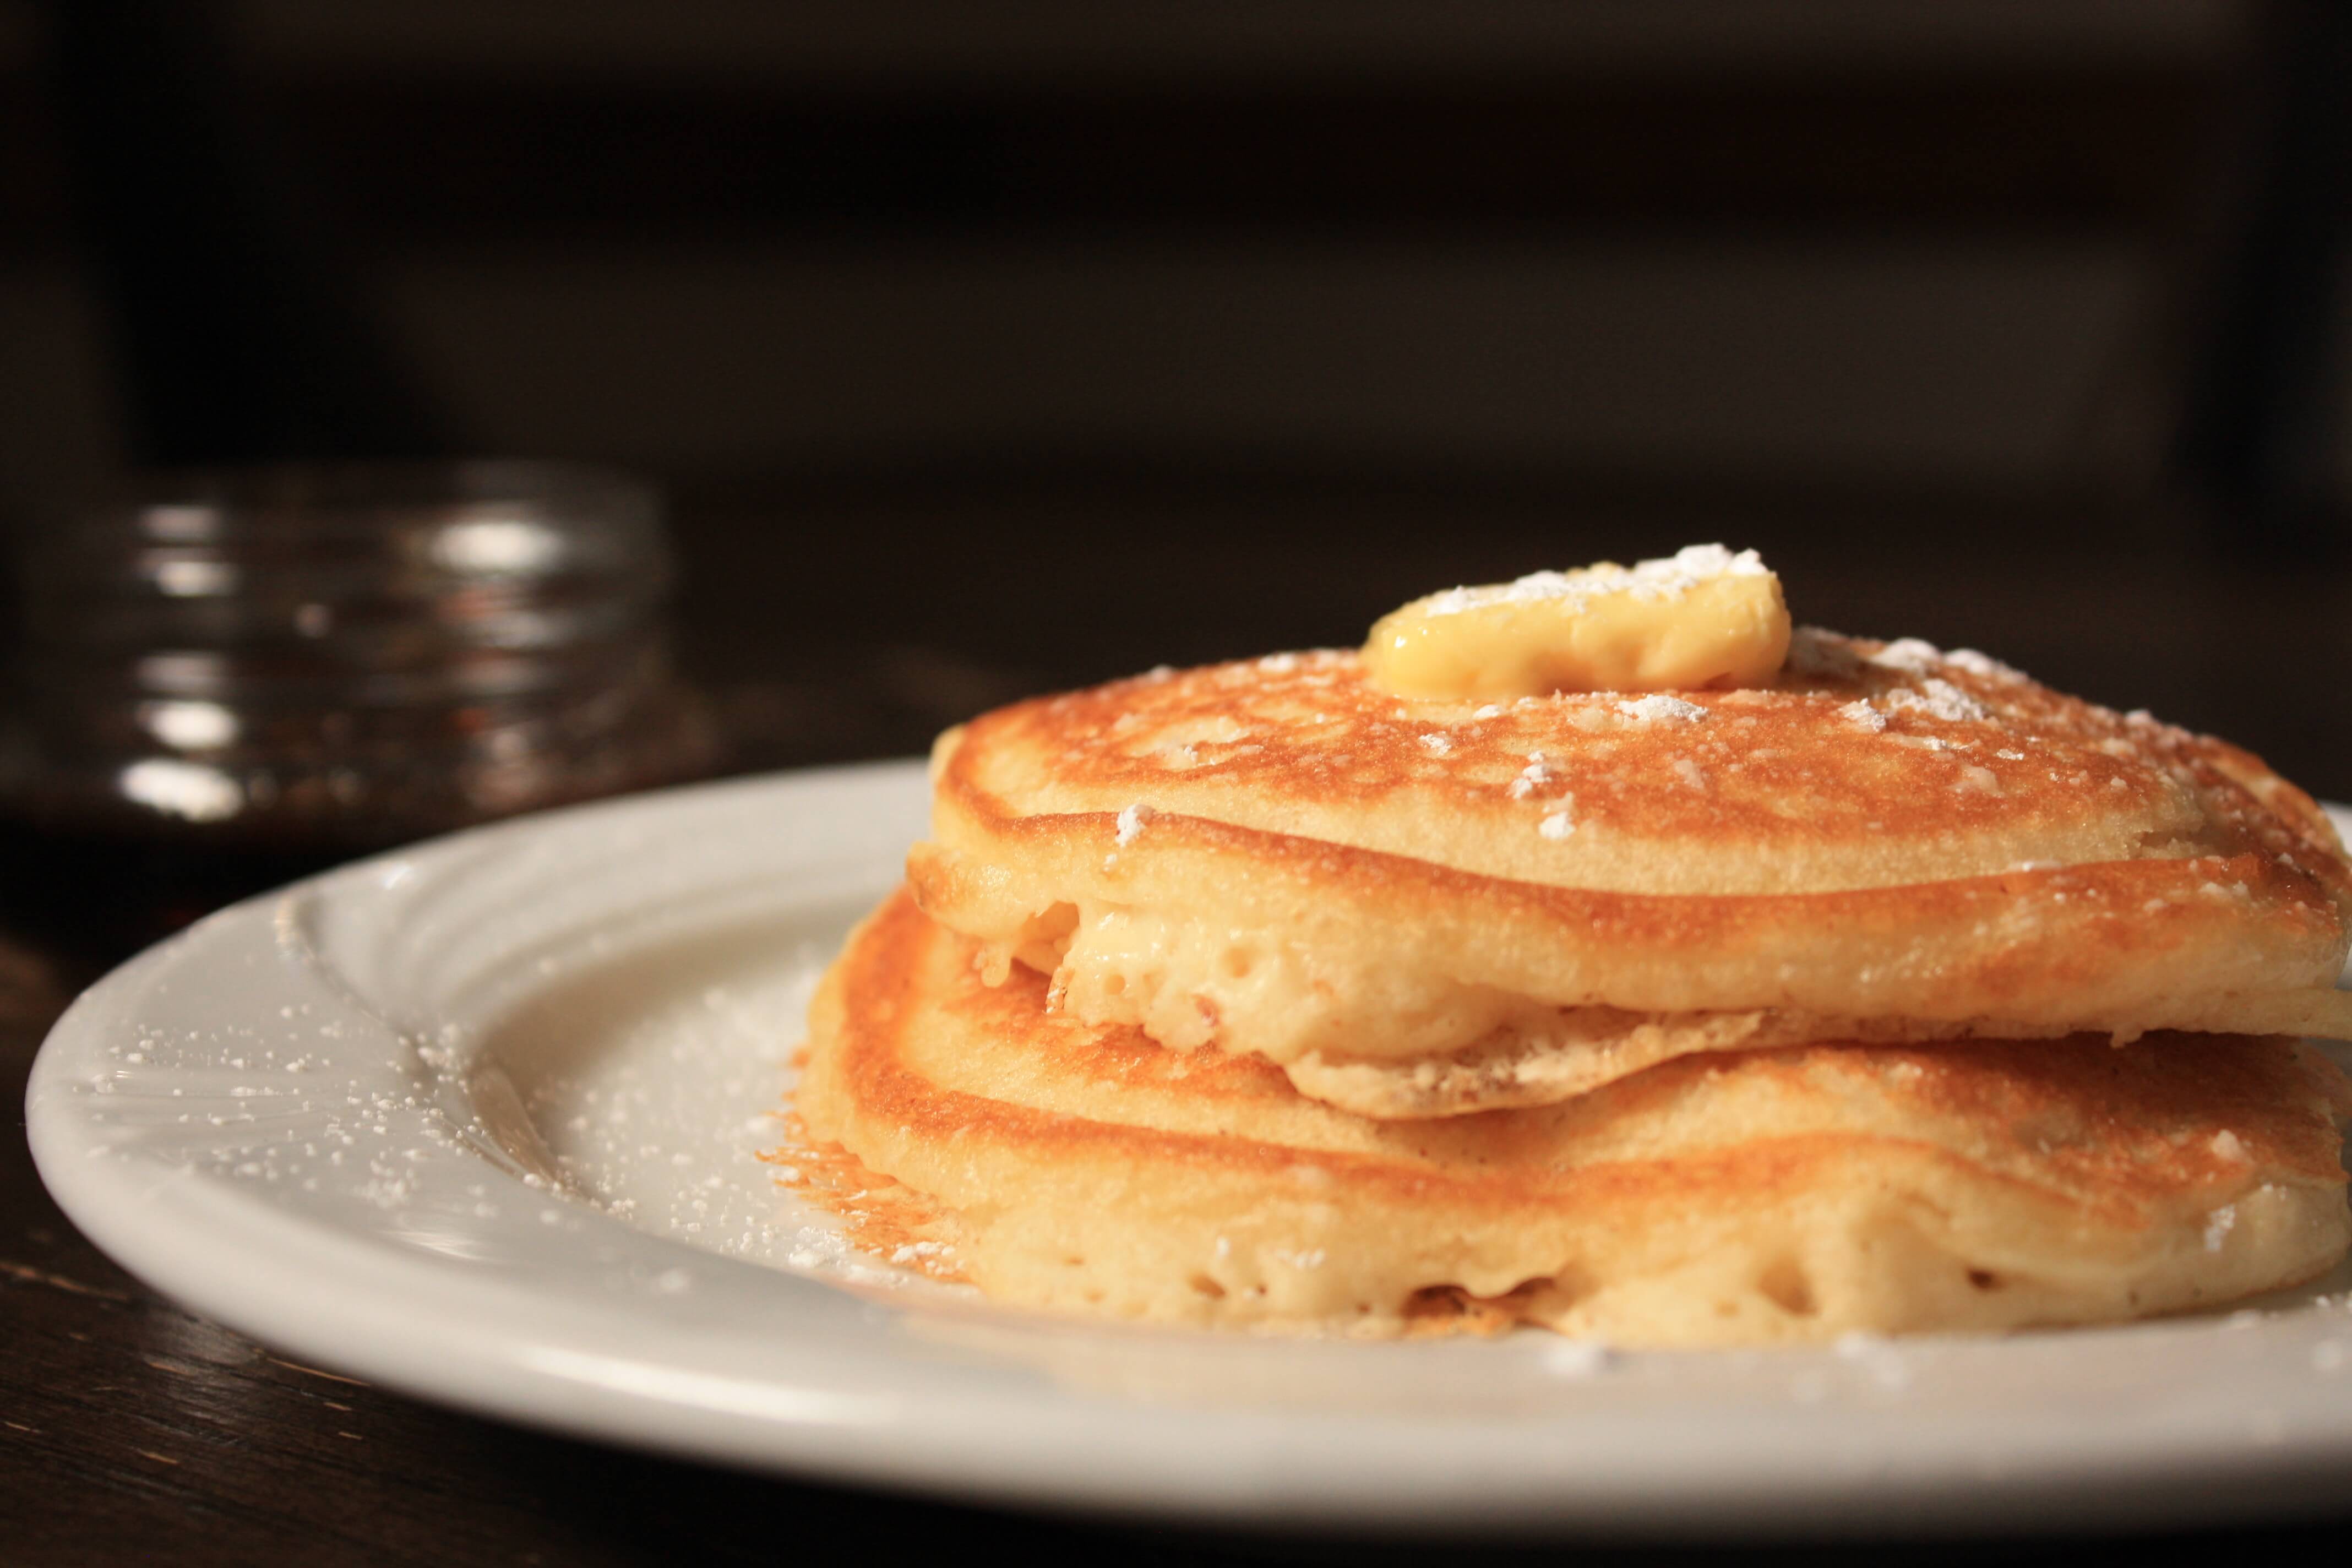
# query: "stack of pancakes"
{"type": "Point", "coordinates": [1901, 994]}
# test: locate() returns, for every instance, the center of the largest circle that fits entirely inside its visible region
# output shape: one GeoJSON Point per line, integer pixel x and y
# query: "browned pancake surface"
{"type": "Point", "coordinates": [1868, 765]}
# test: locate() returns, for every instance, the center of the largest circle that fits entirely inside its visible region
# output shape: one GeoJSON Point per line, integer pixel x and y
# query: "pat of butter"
{"type": "Point", "coordinates": [1704, 617]}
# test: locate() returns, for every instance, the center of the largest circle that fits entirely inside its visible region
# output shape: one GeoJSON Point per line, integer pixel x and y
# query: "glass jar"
{"type": "Point", "coordinates": [293, 665]}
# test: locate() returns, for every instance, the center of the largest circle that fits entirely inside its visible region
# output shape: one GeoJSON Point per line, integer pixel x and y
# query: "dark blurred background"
{"type": "Point", "coordinates": [982, 348]}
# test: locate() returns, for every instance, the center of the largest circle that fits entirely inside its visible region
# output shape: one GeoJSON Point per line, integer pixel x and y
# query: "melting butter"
{"type": "Point", "coordinates": [1703, 617]}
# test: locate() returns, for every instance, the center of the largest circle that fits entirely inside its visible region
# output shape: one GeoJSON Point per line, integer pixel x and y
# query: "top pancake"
{"type": "Point", "coordinates": [1888, 832]}
{"type": "Point", "coordinates": [1960, 768]}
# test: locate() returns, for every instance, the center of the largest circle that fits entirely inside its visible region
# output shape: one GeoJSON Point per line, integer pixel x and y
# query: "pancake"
{"type": "Point", "coordinates": [1424, 906]}
{"type": "Point", "coordinates": [1743, 1197]}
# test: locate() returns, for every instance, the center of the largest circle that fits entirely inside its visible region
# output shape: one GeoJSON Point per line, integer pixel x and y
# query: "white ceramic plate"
{"type": "Point", "coordinates": [479, 1121]}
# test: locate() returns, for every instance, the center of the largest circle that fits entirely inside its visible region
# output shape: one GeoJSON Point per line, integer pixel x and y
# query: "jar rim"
{"type": "Point", "coordinates": [264, 491]}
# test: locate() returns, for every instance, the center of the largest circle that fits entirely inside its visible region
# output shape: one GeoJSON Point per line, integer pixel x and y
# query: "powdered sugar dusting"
{"type": "Point", "coordinates": [1982, 665]}
{"type": "Point", "coordinates": [1658, 705]}
{"type": "Point", "coordinates": [654, 1091]}
{"type": "Point", "coordinates": [1937, 700]}
{"type": "Point", "coordinates": [1557, 826]}
{"type": "Point", "coordinates": [1863, 716]}
{"type": "Point", "coordinates": [1132, 823]}
{"type": "Point", "coordinates": [1909, 655]}
{"type": "Point", "coordinates": [1667, 579]}
{"type": "Point", "coordinates": [1537, 773]}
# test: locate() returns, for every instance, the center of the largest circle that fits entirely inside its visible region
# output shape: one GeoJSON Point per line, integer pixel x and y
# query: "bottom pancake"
{"type": "Point", "coordinates": [1745, 1196]}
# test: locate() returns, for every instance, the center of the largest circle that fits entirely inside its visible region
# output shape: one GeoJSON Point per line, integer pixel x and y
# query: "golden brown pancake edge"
{"type": "Point", "coordinates": [1752, 1197]}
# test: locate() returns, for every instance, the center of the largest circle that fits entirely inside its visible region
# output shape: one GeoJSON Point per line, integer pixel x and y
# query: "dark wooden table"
{"type": "Point", "coordinates": [132, 1431]}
